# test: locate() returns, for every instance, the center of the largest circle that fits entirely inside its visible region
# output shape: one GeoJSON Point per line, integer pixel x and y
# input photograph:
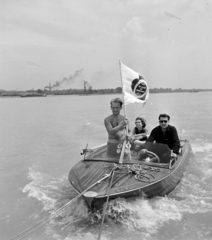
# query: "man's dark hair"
{"type": "Point", "coordinates": [164, 115]}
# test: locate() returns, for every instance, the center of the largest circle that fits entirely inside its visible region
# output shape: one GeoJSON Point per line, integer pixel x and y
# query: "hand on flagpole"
{"type": "Point", "coordinates": [124, 123]}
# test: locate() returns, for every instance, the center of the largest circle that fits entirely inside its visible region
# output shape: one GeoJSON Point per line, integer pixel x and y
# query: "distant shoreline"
{"type": "Point", "coordinates": [80, 92]}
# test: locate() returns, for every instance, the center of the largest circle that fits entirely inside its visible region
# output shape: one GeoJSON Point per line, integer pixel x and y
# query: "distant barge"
{"type": "Point", "coordinates": [32, 95]}
{"type": "Point", "coordinates": [193, 91]}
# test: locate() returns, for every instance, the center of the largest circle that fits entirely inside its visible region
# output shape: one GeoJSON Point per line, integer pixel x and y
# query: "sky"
{"type": "Point", "coordinates": [67, 42]}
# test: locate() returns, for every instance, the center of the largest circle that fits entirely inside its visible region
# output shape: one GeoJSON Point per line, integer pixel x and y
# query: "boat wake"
{"type": "Point", "coordinates": [133, 218]}
{"type": "Point", "coordinates": [147, 215]}
{"type": "Point", "coordinates": [49, 191]}
{"type": "Point", "coordinates": [202, 146]}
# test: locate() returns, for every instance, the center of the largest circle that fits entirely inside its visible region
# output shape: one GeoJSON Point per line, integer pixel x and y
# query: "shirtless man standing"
{"type": "Point", "coordinates": [116, 127]}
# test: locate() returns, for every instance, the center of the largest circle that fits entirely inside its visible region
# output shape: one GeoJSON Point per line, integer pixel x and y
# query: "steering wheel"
{"type": "Point", "coordinates": [148, 156]}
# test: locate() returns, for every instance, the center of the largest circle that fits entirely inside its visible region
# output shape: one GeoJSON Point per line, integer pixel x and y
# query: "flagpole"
{"type": "Point", "coordinates": [125, 112]}
{"type": "Point", "coordinates": [125, 115]}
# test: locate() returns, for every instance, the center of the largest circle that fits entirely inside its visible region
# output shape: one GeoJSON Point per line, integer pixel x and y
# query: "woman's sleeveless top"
{"type": "Point", "coordinates": [137, 131]}
{"type": "Point", "coordinates": [143, 130]}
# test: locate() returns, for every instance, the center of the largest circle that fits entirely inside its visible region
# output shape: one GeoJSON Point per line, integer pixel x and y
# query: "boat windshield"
{"type": "Point", "coordinates": [148, 152]}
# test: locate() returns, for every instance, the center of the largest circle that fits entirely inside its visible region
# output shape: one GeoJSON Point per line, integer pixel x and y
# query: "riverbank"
{"type": "Point", "coordinates": [80, 92]}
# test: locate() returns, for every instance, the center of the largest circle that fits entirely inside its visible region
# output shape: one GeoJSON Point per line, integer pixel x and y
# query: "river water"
{"type": "Point", "coordinates": [41, 139]}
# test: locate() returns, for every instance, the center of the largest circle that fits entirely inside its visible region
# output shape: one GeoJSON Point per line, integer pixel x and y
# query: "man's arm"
{"type": "Point", "coordinates": [113, 130]}
{"type": "Point", "coordinates": [176, 141]}
{"type": "Point", "coordinates": [151, 137]}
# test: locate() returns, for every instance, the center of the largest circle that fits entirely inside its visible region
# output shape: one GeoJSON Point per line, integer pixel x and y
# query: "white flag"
{"type": "Point", "coordinates": [135, 88]}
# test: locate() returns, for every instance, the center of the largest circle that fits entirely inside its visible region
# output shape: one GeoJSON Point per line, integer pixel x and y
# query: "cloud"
{"type": "Point", "coordinates": [133, 26]}
{"type": "Point", "coordinates": [148, 36]}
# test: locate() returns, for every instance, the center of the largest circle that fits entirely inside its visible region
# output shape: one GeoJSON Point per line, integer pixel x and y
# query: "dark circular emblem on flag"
{"type": "Point", "coordinates": [139, 87]}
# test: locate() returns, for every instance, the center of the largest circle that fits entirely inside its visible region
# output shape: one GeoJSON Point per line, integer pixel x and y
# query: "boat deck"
{"type": "Point", "coordinates": [131, 178]}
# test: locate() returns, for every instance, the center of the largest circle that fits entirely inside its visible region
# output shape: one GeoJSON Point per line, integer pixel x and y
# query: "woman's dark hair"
{"type": "Point", "coordinates": [164, 115]}
{"type": "Point", "coordinates": [143, 121]}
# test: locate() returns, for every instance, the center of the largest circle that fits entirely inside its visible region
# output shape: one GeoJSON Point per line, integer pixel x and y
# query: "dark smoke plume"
{"type": "Point", "coordinates": [69, 80]}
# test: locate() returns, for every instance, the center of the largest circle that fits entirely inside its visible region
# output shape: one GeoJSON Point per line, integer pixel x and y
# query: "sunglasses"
{"type": "Point", "coordinates": [165, 121]}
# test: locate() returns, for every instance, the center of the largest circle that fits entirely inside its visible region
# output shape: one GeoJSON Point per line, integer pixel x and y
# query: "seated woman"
{"type": "Point", "coordinates": [139, 133]}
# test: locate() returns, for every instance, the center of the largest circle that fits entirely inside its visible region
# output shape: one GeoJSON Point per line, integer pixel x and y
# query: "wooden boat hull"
{"type": "Point", "coordinates": [158, 179]}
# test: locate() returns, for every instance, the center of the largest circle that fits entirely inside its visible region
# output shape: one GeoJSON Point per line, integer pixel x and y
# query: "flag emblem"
{"type": "Point", "coordinates": [139, 87]}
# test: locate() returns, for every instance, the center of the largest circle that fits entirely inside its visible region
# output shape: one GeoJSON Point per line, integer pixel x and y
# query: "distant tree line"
{"type": "Point", "coordinates": [95, 91]}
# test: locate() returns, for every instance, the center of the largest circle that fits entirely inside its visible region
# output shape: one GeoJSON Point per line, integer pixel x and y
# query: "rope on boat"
{"type": "Point", "coordinates": [41, 223]}
{"type": "Point", "coordinates": [31, 229]}
{"type": "Point", "coordinates": [108, 194]}
{"type": "Point", "coordinates": [141, 172]}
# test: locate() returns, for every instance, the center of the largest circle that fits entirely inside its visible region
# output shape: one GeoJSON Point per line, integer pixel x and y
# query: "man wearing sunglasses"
{"type": "Point", "coordinates": [166, 134]}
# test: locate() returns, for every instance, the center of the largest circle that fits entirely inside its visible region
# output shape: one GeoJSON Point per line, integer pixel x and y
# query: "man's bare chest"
{"type": "Point", "coordinates": [115, 121]}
